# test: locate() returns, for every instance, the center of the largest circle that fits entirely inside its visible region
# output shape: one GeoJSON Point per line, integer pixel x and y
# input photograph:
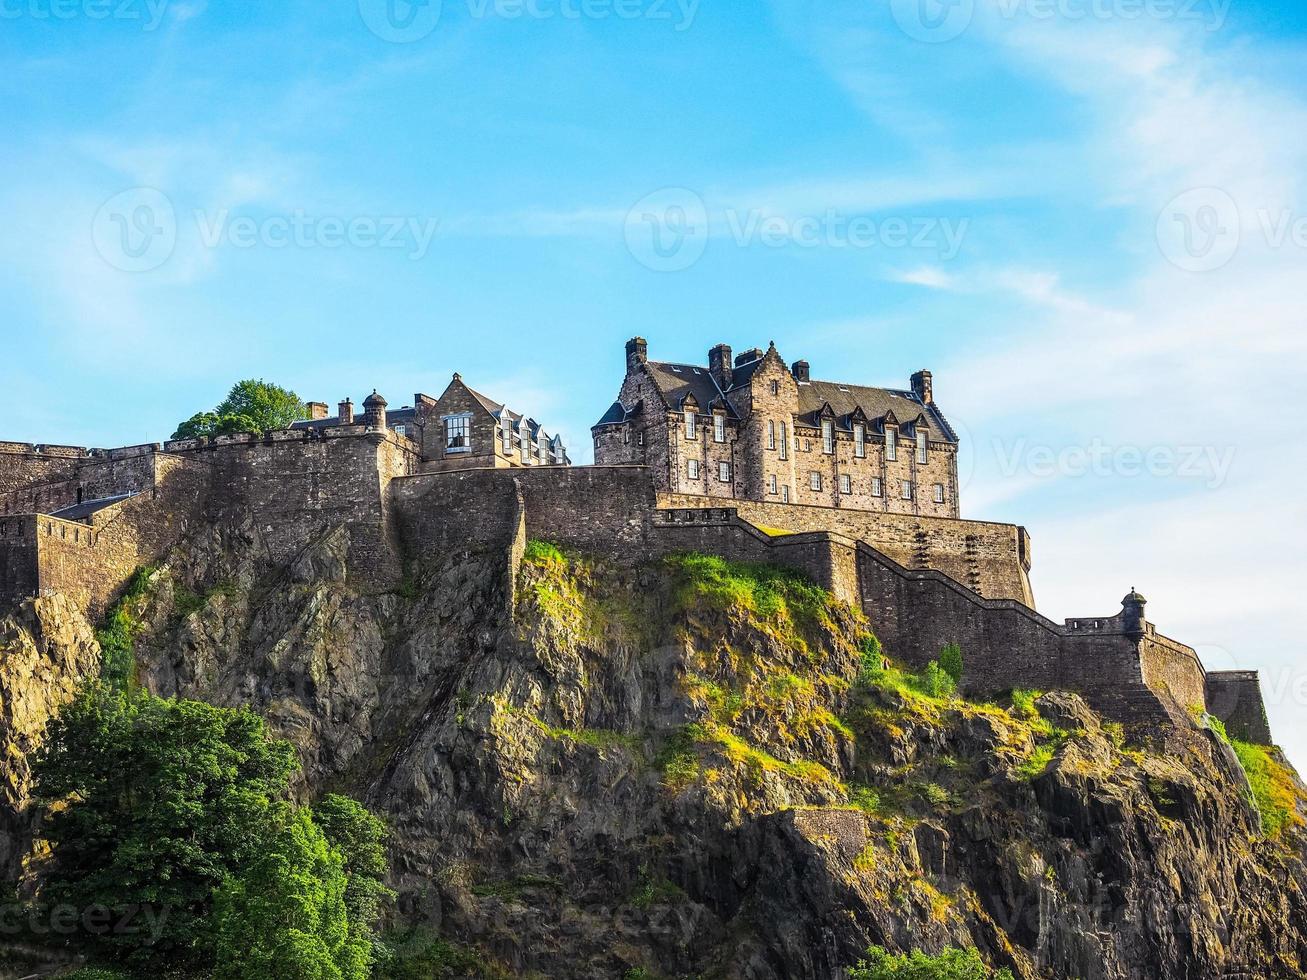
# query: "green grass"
{"type": "Point", "coordinates": [117, 634]}
{"type": "Point", "coordinates": [544, 553]}
{"type": "Point", "coordinates": [772, 592]}
{"type": "Point", "coordinates": [1273, 788]}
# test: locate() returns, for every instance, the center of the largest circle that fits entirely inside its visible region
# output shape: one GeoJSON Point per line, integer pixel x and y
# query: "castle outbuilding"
{"type": "Point", "coordinates": [753, 428]}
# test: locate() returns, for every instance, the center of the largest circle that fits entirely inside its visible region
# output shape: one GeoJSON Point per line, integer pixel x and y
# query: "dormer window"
{"type": "Point", "coordinates": [891, 444]}
{"type": "Point", "coordinates": [719, 427]}
{"type": "Point", "coordinates": [827, 436]}
{"type": "Point", "coordinates": [691, 425]}
{"type": "Point", "coordinates": [922, 447]}
{"type": "Point", "coordinates": [860, 441]}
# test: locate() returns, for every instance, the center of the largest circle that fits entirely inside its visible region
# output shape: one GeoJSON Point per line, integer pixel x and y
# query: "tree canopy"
{"type": "Point", "coordinates": [952, 964]}
{"type": "Point", "coordinates": [250, 406]}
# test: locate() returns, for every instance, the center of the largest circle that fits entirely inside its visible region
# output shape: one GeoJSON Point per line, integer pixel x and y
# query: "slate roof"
{"type": "Point", "coordinates": [675, 381]}
{"type": "Point", "coordinates": [394, 416]}
{"type": "Point", "coordinates": [875, 403]}
{"type": "Point", "coordinates": [86, 508]}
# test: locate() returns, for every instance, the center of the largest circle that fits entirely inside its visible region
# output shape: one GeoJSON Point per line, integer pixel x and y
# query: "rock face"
{"type": "Point", "coordinates": [591, 770]}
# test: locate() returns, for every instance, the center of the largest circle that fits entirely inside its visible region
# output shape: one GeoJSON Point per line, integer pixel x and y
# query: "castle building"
{"type": "Point", "coordinates": [753, 428]}
{"type": "Point", "coordinates": [462, 429]}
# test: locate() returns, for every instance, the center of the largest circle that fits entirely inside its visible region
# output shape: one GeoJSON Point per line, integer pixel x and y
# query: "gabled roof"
{"type": "Point", "coordinates": [843, 399]}
{"type": "Point", "coordinates": [675, 381]}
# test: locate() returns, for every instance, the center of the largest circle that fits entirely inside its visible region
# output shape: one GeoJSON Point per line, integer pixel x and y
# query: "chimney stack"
{"type": "Point", "coordinates": [317, 410]}
{"type": "Point", "coordinates": [800, 371]}
{"type": "Point", "coordinates": [923, 386]}
{"type": "Point", "coordinates": [637, 353]}
{"type": "Point", "coordinates": [719, 365]}
{"type": "Point", "coordinates": [345, 412]}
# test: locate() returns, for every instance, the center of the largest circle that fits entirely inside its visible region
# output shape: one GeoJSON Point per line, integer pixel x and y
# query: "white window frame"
{"type": "Point", "coordinates": [815, 481]}
{"type": "Point", "coordinates": [507, 437]}
{"type": "Point", "coordinates": [772, 485]}
{"type": "Point", "coordinates": [891, 444]}
{"type": "Point", "coordinates": [718, 427]}
{"type": "Point", "coordinates": [691, 427]}
{"type": "Point", "coordinates": [771, 434]}
{"type": "Point", "coordinates": [692, 469]}
{"type": "Point", "coordinates": [860, 441]}
{"type": "Point", "coordinates": [909, 492]}
{"type": "Point", "coordinates": [940, 494]}
{"type": "Point", "coordinates": [723, 472]}
{"type": "Point", "coordinates": [923, 448]}
{"type": "Point", "coordinates": [785, 441]}
{"type": "Point", "coordinates": [775, 387]}
{"type": "Point", "coordinates": [828, 436]}
{"type": "Point", "coordinates": [877, 487]}
{"type": "Point", "coordinates": [846, 483]}
{"type": "Point", "coordinates": [785, 493]}
{"type": "Point", "coordinates": [454, 424]}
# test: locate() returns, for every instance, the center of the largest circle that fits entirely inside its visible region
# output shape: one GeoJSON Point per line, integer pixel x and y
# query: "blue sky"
{"type": "Point", "coordinates": [1087, 217]}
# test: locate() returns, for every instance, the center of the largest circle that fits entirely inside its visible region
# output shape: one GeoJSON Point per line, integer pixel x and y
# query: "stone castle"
{"type": "Point", "coordinates": [746, 458]}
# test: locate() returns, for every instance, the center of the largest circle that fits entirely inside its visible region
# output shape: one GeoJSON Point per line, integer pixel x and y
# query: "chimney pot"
{"type": "Point", "coordinates": [637, 353]}
{"type": "Point", "coordinates": [719, 365]}
{"type": "Point", "coordinates": [923, 386]}
{"type": "Point", "coordinates": [345, 412]}
{"type": "Point", "coordinates": [800, 371]}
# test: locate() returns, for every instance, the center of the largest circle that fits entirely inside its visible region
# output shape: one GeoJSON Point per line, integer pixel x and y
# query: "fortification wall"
{"type": "Point", "coordinates": [92, 478]}
{"type": "Point", "coordinates": [992, 560]}
{"type": "Point", "coordinates": [23, 464]}
{"type": "Point", "coordinates": [1235, 696]}
{"type": "Point", "coordinates": [18, 575]}
{"type": "Point", "coordinates": [1174, 668]}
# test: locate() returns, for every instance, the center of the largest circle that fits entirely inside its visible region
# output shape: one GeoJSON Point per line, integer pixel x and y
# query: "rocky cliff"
{"type": "Point", "coordinates": [693, 770]}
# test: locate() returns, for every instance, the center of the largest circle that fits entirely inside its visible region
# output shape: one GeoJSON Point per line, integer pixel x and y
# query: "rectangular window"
{"type": "Point", "coordinates": [639, 439]}
{"type": "Point", "coordinates": [775, 387]}
{"type": "Point", "coordinates": [694, 469]}
{"type": "Point", "coordinates": [807, 445]}
{"type": "Point", "coordinates": [907, 489]}
{"type": "Point", "coordinates": [846, 483]}
{"type": "Point", "coordinates": [771, 484]}
{"type": "Point", "coordinates": [922, 447]}
{"type": "Point", "coordinates": [877, 487]}
{"type": "Point", "coordinates": [457, 433]}
{"type": "Point", "coordinates": [724, 472]}
{"type": "Point", "coordinates": [860, 441]}
{"type": "Point", "coordinates": [814, 480]}
{"type": "Point", "coordinates": [719, 428]}
{"type": "Point", "coordinates": [939, 493]}
{"type": "Point", "coordinates": [891, 444]}
{"type": "Point", "coordinates": [785, 441]}
{"type": "Point", "coordinates": [508, 439]}
{"type": "Point", "coordinates": [771, 433]}
{"type": "Point", "coordinates": [785, 494]}
{"type": "Point", "coordinates": [827, 436]}
{"type": "Point", "coordinates": [401, 430]}
{"type": "Point", "coordinates": [626, 435]}
{"type": "Point", "coordinates": [526, 450]}
{"type": "Point", "coordinates": [691, 426]}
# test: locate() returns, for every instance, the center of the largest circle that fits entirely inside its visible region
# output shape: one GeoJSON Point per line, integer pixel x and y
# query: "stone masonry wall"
{"type": "Point", "coordinates": [1235, 696]}
{"type": "Point", "coordinates": [24, 465]}
{"type": "Point", "coordinates": [991, 559]}
{"type": "Point", "coordinates": [93, 478]}
{"type": "Point", "coordinates": [18, 575]}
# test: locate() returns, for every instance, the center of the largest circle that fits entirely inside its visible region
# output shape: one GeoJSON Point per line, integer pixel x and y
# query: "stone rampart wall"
{"type": "Point", "coordinates": [993, 560]}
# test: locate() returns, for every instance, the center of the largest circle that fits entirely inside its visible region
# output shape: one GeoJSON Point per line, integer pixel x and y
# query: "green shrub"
{"type": "Point", "coordinates": [544, 553]}
{"type": "Point", "coordinates": [936, 682]}
{"type": "Point", "coordinates": [96, 973]}
{"type": "Point", "coordinates": [770, 591]}
{"type": "Point", "coordinates": [950, 659]}
{"type": "Point", "coordinates": [1273, 788]}
{"type": "Point", "coordinates": [952, 964]}
{"type": "Point", "coordinates": [117, 634]}
{"type": "Point", "coordinates": [1023, 703]}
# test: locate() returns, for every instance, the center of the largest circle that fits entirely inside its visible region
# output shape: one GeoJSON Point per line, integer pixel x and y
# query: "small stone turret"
{"type": "Point", "coordinates": [1132, 612]}
{"type": "Point", "coordinates": [345, 412]}
{"type": "Point", "coordinates": [374, 410]}
{"type": "Point", "coordinates": [800, 370]}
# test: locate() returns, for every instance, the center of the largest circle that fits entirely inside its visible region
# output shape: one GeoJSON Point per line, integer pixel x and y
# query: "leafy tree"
{"type": "Point", "coordinates": [152, 804]}
{"type": "Point", "coordinates": [286, 916]}
{"type": "Point", "coordinates": [360, 837]}
{"type": "Point", "coordinates": [950, 659]}
{"type": "Point", "coordinates": [250, 406]}
{"type": "Point", "coordinates": [952, 964]}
